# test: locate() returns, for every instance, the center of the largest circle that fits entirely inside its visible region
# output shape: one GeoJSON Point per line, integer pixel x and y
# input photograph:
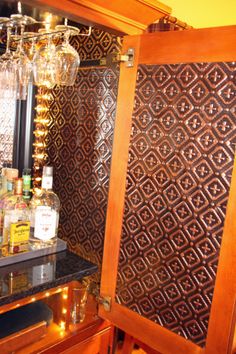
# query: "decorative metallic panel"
{"type": "Point", "coordinates": [180, 163]}
{"type": "Point", "coordinates": [7, 125]}
{"type": "Point", "coordinates": [80, 146]}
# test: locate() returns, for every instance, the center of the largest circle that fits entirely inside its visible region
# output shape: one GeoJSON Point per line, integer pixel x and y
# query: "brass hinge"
{"type": "Point", "coordinates": [106, 302]}
{"type": "Point", "coordinates": [127, 58]}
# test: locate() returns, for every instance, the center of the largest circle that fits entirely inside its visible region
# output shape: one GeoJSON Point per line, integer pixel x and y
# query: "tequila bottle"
{"type": "Point", "coordinates": [16, 221]}
{"type": "Point", "coordinates": [8, 177]}
{"type": "Point", "coordinates": [44, 207]}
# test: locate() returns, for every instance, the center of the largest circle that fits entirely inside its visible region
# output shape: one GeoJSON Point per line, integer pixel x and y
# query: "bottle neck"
{"type": "Point", "coordinates": [47, 182]}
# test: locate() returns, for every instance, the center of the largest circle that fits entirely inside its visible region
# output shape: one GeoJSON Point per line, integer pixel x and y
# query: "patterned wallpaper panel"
{"type": "Point", "coordinates": [80, 146]}
{"type": "Point", "coordinates": [180, 164]}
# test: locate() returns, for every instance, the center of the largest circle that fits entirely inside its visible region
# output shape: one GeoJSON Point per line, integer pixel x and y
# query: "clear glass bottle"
{"type": "Point", "coordinates": [16, 221]}
{"type": "Point", "coordinates": [8, 177]}
{"type": "Point", "coordinates": [11, 174]}
{"type": "Point", "coordinates": [44, 207]}
{"type": "Point", "coordinates": [3, 184]}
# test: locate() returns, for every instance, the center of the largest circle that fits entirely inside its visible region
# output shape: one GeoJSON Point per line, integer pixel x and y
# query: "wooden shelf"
{"type": "Point", "coordinates": [61, 335]}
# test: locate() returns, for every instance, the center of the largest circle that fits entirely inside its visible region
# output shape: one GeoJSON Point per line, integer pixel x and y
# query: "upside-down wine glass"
{"type": "Point", "coordinates": [67, 58]}
{"type": "Point", "coordinates": [22, 64]}
{"type": "Point", "coordinates": [44, 62]}
{"type": "Point", "coordinates": [7, 72]}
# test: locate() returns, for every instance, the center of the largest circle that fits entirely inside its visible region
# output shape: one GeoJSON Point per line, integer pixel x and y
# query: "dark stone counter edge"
{"type": "Point", "coordinates": [46, 286]}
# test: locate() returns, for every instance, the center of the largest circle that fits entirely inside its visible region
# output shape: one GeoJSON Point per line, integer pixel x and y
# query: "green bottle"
{"type": "Point", "coordinates": [26, 175]}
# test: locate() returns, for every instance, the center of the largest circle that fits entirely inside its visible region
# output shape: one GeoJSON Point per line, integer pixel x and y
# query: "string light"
{"type": "Point", "coordinates": [40, 132]}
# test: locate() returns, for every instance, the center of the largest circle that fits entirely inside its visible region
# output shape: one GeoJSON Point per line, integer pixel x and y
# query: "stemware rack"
{"type": "Point", "coordinates": [17, 20]}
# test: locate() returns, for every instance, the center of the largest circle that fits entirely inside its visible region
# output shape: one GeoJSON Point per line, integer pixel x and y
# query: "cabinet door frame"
{"type": "Point", "coordinates": [203, 45]}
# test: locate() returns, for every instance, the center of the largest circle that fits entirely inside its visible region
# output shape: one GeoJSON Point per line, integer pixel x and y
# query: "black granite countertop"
{"type": "Point", "coordinates": [38, 274]}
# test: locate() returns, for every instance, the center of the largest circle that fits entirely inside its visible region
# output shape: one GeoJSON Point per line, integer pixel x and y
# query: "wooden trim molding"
{"type": "Point", "coordinates": [157, 5]}
{"type": "Point", "coordinates": [208, 45]}
{"type": "Point", "coordinates": [163, 340]}
{"type": "Point", "coordinates": [222, 317]}
{"type": "Point", "coordinates": [122, 17]}
{"type": "Point", "coordinates": [118, 175]}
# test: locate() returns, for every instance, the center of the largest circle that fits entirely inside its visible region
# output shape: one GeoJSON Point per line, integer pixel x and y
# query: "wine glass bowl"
{"type": "Point", "coordinates": [7, 71]}
{"type": "Point", "coordinates": [44, 64]}
{"type": "Point", "coordinates": [67, 58]}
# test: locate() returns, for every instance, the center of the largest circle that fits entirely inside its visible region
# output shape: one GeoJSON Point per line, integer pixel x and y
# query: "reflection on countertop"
{"type": "Point", "coordinates": [38, 274]}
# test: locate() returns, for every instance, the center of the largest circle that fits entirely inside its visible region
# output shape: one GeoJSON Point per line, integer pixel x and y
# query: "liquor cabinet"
{"type": "Point", "coordinates": [144, 167]}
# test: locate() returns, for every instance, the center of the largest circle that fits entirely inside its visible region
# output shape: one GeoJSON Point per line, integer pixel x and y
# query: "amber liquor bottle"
{"type": "Point", "coordinates": [16, 221]}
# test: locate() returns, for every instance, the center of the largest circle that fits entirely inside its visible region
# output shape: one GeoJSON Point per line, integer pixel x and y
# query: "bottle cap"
{"type": "Point", "coordinates": [11, 173]}
{"type": "Point", "coordinates": [47, 171]}
{"type": "Point", "coordinates": [26, 172]}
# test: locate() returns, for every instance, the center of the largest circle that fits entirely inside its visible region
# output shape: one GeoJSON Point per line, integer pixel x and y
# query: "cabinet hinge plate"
{"type": "Point", "coordinates": [106, 302]}
{"type": "Point", "coordinates": [127, 58]}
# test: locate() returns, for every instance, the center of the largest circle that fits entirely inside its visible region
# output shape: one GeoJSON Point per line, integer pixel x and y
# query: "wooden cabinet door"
{"type": "Point", "coordinates": [170, 183]}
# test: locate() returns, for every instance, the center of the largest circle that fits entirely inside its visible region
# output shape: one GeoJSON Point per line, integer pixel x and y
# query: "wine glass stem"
{"type": "Point", "coordinates": [22, 28]}
{"type": "Point", "coordinates": [67, 37]}
{"type": "Point", "coordinates": [8, 40]}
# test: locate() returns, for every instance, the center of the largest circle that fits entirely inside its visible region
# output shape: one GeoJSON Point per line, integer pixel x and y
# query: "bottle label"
{"type": "Point", "coordinates": [18, 281]}
{"type": "Point", "coordinates": [26, 187]}
{"type": "Point", "coordinates": [42, 274]}
{"type": "Point", "coordinates": [26, 183]}
{"type": "Point", "coordinates": [45, 223]}
{"type": "Point", "coordinates": [9, 186]}
{"type": "Point", "coordinates": [19, 236]}
{"type": "Point", "coordinates": [47, 182]}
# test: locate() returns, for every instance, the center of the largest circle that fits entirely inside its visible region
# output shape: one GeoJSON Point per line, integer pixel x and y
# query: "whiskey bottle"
{"type": "Point", "coordinates": [44, 207]}
{"type": "Point", "coordinates": [16, 221]}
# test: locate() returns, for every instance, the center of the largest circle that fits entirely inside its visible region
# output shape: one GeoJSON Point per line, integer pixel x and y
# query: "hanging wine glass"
{"type": "Point", "coordinates": [44, 63]}
{"type": "Point", "coordinates": [7, 72]}
{"type": "Point", "coordinates": [21, 63]}
{"type": "Point", "coordinates": [30, 44]}
{"type": "Point", "coordinates": [67, 58]}
{"type": "Point", "coordinates": [3, 21]}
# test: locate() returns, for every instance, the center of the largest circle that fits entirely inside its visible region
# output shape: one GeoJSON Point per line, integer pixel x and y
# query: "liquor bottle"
{"type": "Point", "coordinates": [8, 177]}
{"type": "Point", "coordinates": [16, 221]}
{"type": "Point", "coordinates": [44, 207]}
{"type": "Point", "coordinates": [26, 175]}
{"type": "Point", "coordinates": [11, 174]}
{"type": "Point", "coordinates": [3, 184]}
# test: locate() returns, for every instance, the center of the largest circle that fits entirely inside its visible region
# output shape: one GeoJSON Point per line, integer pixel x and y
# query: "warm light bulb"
{"type": "Point", "coordinates": [39, 144]}
{"type": "Point", "coordinates": [40, 133]}
{"type": "Point", "coordinates": [41, 108]}
{"type": "Point", "coordinates": [41, 120]}
{"type": "Point", "coordinates": [45, 97]}
{"type": "Point", "coordinates": [62, 325]}
{"type": "Point", "coordinates": [39, 156]}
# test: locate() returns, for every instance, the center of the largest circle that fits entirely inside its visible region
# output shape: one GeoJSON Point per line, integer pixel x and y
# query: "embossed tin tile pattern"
{"type": "Point", "coordinates": [180, 164]}
{"type": "Point", "coordinates": [80, 146]}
